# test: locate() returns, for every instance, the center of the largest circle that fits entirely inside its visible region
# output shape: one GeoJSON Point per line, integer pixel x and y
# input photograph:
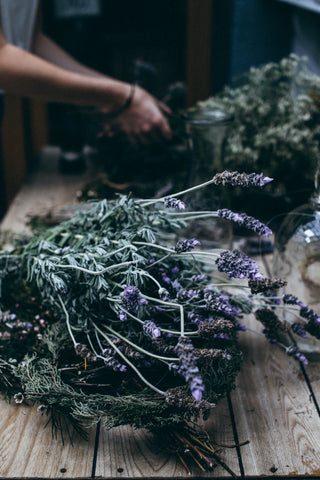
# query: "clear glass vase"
{"type": "Point", "coordinates": [207, 132]}
{"type": "Point", "coordinates": [297, 259]}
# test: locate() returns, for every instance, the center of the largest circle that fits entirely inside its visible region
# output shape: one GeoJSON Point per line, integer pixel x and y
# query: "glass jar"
{"type": "Point", "coordinates": [297, 260]}
{"type": "Point", "coordinates": [206, 136]}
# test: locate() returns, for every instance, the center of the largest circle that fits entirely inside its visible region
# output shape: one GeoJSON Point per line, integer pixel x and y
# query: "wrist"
{"type": "Point", "coordinates": [125, 103]}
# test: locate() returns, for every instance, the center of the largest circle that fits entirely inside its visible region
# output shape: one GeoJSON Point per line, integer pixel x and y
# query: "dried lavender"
{"type": "Point", "coordinates": [186, 245]}
{"type": "Point", "coordinates": [241, 179]}
{"type": "Point", "coordinates": [188, 367]}
{"type": "Point", "coordinates": [111, 362]}
{"type": "Point", "coordinates": [313, 327]}
{"type": "Point", "coordinates": [269, 319]}
{"type": "Point", "coordinates": [237, 265]}
{"type": "Point", "coordinates": [171, 202]}
{"type": "Point", "coordinates": [150, 328]}
{"type": "Point", "coordinates": [266, 284]}
{"type": "Point", "coordinates": [245, 220]}
{"type": "Point", "coordinates": [217, 327]}
{"type": "Point", "coordinates": [218, 303]}
{"type": "Point", "coordinates": [299, 330]}
{"type": "Point", "coordinates": [309, 314]}
{"type": "Point", "coordinates": [147, 313]}
{"type": "Point", "coordinates": [293, 300]}
{"type": "Point", "coordinates": [293, 351]}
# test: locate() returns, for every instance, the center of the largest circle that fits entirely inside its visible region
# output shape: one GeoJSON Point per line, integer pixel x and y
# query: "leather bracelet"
{"type": "Point", "coordinates": [126, 105]}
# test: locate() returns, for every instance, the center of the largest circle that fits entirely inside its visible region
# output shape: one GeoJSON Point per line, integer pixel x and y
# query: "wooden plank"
{"type": "Point", "coordinates": [125, 452]}
{"type": "Point", "coordinates": [28, 450]}
{"type": "Point", "coordinates": [312, 370]}
{"type": "Point", "coordinates": [313, 373]}
{"type": "Point", "coordinates": [273, 409]}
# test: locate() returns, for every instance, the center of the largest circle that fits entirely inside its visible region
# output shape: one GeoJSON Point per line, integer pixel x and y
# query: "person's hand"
{"type": "Point", "coordinates": [143, 122]}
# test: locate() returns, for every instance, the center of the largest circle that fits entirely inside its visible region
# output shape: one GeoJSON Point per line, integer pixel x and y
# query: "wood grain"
{"type": "Point", "coordinates": [125, 452]}
{"type": "Point", "coordinates": [273, 409]}
{"type": "Point", "coordinates": [27, 449]}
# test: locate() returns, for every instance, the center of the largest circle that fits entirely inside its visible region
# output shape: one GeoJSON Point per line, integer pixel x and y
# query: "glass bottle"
{"type": "Point", "coordinates": [206, 136]}
{"type": "Point", "coordinates": [297, 259]}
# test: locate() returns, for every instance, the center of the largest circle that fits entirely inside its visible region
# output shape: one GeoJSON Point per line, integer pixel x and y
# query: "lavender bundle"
{"type": "Point", "coordinates": [138, 330]}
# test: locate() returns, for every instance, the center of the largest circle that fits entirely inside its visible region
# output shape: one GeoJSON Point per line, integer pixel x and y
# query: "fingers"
{"type": "Point", "coordinates": [165, 109]}
{"type": "Point", "coordinates": [142, 126]}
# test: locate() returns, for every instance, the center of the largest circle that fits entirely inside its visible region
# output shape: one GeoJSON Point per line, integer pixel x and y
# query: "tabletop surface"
{"type": "Point", "coordinates": [269, 426]}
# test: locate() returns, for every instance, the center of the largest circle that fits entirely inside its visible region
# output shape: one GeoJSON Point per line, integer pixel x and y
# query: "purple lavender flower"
{"type": "Point", "coordinates": [184, 294]}
{"type": "Point", "coordinates": [298, 329]}
{"type": "Point", "coordinates": [239, 326]}
{"type": "Point", "coordinates": [176, 285]}
{"type": "Point", "coordinates": [216, 328]}
{"type": "Point", "coordinates": [165, 278]}
{"type": "Point", "coordinates": [199, 278]}
{"type": "Point", "coordinates": [229, 215]}
{"type": "Point", "coordinates": [269, 319]}
{"type": "Point", "coordinates": [313, 328]}
{"type": "Point", "coordinates": [293, 351]}
{"type": "Point", "coordinates": [216, 302]}
{"type": "Point", "coordinates": [131, 299]}
{"type": "Point", "coordinates": [196, 318]}
{"type": "Point", "coordinates": [122, 316]}
{"type": "Point", "coordinates": [186, 245]}
{"type": "Point", "coordinates": [151, 329]}
{"type": "Point", "coordinates": [164, 294]}
{"type": "Point", "coordinates": [293, 300]}
{"type": "Point", "coordinates": [111, 362]}
{"type": "Point", "coordinates": [197, 388]}
{"type": "Point", "coordinates": [265, 285]}
{"type": "Point", "coordinates": [171, 202]}
{"type": "Point", "coordinates": [241, 179]}
{"type": "Point", "coordinates": [237, 265]}
{"type": "Point", "coordinates": [270, 336]}
{"type": "Point", "coordinates": [188, 367]}
{"type": "Point", "coordinates": [309, 314]}
{"type": "Point", "coordinates": [242, 219]}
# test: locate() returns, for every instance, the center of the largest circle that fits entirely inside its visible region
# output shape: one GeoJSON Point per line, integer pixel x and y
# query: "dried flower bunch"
{"type": "Point", "coordinates": [105, 319]}
{"type": "Point", "coordinates": [276, 129]}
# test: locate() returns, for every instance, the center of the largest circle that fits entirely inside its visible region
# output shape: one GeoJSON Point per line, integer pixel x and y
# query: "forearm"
{"type": "Point", "coordinates": [45, 48]}
{"type": "Point", "coordinates": [28, 75]}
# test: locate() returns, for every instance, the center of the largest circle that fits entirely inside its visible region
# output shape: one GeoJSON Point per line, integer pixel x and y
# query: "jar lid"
{"type": "Point", "coordinates": [207, 117]}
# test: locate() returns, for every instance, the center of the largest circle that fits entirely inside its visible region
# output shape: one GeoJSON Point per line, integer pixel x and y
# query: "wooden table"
{"type": "Point", "coordinates": [275, 406]}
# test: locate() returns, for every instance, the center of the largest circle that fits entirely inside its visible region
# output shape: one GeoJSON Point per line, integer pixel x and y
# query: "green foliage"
{"type": "Point", "coordinates": [276, 129]}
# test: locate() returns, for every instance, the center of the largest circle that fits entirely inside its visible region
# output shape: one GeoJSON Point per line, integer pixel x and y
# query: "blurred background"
{"type": "Point", "coordinates": [191, 47]}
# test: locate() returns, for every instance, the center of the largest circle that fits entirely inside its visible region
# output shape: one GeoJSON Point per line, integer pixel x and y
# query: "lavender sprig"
{"type": "Point", "coordinates": [237, 265]}
{"type": "Point", "coordinates": [241, 179]}
{"type": "Point", "coordinates": [131, 299]}
{"type": "Point", "coordinates": [171, 202]}
{"type": "Point", "coordinates": [151, 329]}
{"type": "Point", "coordinates": [245, 220]}
{"type": "Point", "coordinates": [188, 367]}
{"type": "Point", "coordinates": [186, 245]}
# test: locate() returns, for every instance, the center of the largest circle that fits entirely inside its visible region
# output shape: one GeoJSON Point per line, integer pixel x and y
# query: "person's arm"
{"type": "Point", "coordinates": [143, 121]}
{"type": "Point", "coordinates": [47, 49]}
{"type": "Point", "coordinates": [27, 74]}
